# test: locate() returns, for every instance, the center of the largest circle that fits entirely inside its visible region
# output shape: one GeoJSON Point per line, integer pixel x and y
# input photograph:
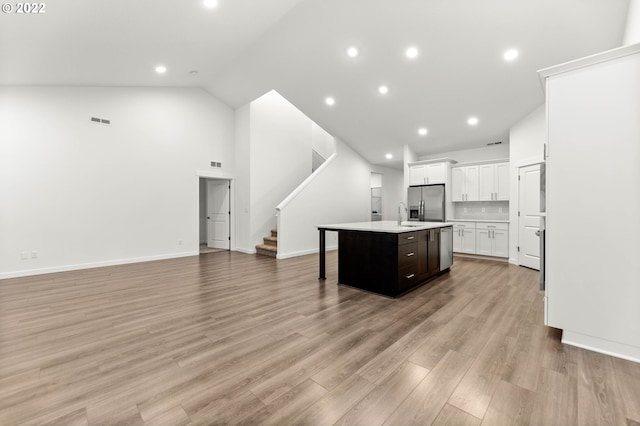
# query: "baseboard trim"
{"type": "Point", "coordinates": [80, 266]}
{"type": "Point", "coordinates": [603, 346]}
{"type": "Point", "coordinates": [245, 251]}
{"type": "Point", "coordinates": [481, 257]}
{"type": "Point", "coordinates": [303, 253]}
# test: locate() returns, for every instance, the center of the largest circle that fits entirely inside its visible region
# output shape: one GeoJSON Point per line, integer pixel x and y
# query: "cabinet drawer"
{"type": "Point", "coordinates": [408, 255]}
{"type": "Point", "coordinates": [408, 237]}
{"type": "Point", "coordinates": [497, 226]}
{"type": "Point", "coordinates": [407, 277]}
{"type": "Point", "coordinates": [464, 225]}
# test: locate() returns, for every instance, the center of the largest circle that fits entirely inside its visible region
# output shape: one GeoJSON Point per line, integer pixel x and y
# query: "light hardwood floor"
{"type": "Point", "coordinates": [229, 338]}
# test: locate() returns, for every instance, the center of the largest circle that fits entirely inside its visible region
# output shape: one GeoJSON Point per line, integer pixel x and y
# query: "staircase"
{"type": "Point", "coordinates": [270, 246]}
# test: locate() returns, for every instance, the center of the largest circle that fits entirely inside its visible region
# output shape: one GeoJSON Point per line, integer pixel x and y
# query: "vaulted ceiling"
{"type": "Point", "coordinates": [241, 49]}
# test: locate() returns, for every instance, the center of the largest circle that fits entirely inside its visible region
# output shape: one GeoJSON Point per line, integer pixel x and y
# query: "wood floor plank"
{"type": "Point", "coordinates": [383, 400]}
{"type": "Point", "coordinates": [424, 404]}
{"type": "Point", "coordinates": [510, 405]}
{"type": "Point", "coordinates": [332, 406]}
{"type": "Point", "coordinates": [282, 410]}
{"type": "Point", "coordinates": [476, 389]}
{"type": "Point", "coordinates": [556, 400]}
{"type": "Point", "coordinates": [239, 339]}
{"type": "Point", "coordinates": [600, 399]}
{"type": "Point", "coordinates": [452, 416]}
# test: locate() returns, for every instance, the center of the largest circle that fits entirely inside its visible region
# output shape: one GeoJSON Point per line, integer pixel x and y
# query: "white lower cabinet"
{"type": "Point", "coordinates": [484, 238]}
{"type": "Point", "coordinates": [492, 239]}
{"type": "Point", "coordinates": [464, 237]}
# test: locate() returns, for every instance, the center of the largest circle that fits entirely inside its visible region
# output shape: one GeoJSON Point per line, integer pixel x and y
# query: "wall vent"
{"type": "Point", "coordinates": [100, 120]}
{"type": "Point", "coordinates": [216, 164]}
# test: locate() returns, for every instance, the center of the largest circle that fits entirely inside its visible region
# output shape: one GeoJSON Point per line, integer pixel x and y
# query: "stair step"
{"type": "Point", "coordinates": [267, 250]}
{"type": "Point", "coordinates": [271, 241]}
{"type": "Point", "coordinates": [274, 233]}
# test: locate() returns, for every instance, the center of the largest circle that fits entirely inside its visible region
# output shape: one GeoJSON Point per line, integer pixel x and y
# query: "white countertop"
{"type": "Point", "coordinates": [390, 226]}
{"type": "Point", "coordinates": [479, 220]}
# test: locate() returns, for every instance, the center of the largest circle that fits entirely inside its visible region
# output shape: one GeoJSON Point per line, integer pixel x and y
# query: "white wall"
{"type": "Point", "coordinates": [273, 156]}
{"type": "Point", "coordinates": [322, 142]}
{"type": "Point", "coordinates": [493, 152]}
{"type": "Point", "coordinates": [339, 192]}
{"type": "Point", "coordinates": [243, 180]}
{"type": "Point", "coordinates": [409, 156]}
{"type": "Point", "coordinates": [393, 191]}
{"type": "Point", "coordinates": [527, 139]}
{"type": "Point", "coordinates": [81, 194]}
{"type": "Point", "coordinates": [632, 29]}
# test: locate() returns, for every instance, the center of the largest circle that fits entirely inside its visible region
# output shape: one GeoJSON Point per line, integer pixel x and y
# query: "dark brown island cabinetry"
{"type": "Point", "coordinates": [388, 263]}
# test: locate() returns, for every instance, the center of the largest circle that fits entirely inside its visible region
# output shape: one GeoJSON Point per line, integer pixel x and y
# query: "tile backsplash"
{"type": "Point", "coordinates": [481, 210]}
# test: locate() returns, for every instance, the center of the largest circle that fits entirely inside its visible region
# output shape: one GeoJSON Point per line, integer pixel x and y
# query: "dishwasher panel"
{"type": "Point", "coordinates": [446, 247]}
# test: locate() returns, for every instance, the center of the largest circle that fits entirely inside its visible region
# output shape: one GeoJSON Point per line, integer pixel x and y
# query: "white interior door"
{"type": "Point", "coordinates": [529, 219]}
{"type": "Point", "coordinates": [218, 214]}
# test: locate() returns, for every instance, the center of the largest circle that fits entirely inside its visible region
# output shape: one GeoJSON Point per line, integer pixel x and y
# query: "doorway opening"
{"type": "Point", "coordinates": [214, 215]}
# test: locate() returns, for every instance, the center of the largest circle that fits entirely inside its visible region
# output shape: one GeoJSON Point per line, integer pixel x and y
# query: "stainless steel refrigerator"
{"type": "Point", "coordinates": [426, 203]}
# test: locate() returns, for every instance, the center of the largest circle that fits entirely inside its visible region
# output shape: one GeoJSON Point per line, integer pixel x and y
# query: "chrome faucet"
{"type": "Point", "coordinates": [399, 213]}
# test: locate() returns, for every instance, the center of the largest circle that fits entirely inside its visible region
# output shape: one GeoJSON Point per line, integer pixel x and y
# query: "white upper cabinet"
{"type": "Point", "coordinates": [494, 182]}
{"type": "Point", "coordinates": [464, 183]}
{"type": "Point", "coordinates": [427, 174]}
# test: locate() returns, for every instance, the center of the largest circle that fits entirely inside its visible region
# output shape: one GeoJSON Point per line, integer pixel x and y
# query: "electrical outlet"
{"type": "Point", "coordinates": [499, 209]}
{"type": "Point", "coordinates": [483, 210]}
{"type": "Point", "coordinates": [179, 242]}
{"type": "Point", "coordinates": [24, 255]}
{"type": "Point", "coordinates": [34, 254]}
{"type": "Point", "coordinates": [465, 209]}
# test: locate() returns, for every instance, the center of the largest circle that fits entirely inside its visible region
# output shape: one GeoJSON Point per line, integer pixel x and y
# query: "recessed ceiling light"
{"type": "Point", "coordinates": [510, 55]}
{"type": "Point", "coordinates": [472, 121]}
{"type": "Point", "coordinates": [330, 101]}
{"type": "Point", "coordinates": [383, 90]}
{"type": "Point", "coordinates": [161, 69]}
{"type": "Point", "coordinates": [388, 156]}
{"type": "Point", "coordinates": [412, 52]}
{"type": "Point", "coordinates": [422, 131]}
{"type": "Point", "coordinates": [352, 52]}
{"type": "Point", "coordinates": [210, 3]}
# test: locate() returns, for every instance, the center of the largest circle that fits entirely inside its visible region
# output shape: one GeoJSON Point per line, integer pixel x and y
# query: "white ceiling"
{"type": "Point", "coordinates": [244, 48]}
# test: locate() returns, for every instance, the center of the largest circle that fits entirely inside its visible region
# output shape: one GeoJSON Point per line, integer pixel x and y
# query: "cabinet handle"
{"type": "Point", "coordinates": [410, 238]}
{"type": "Point", "coordinates": [410, 276]}
{"type": "Point", "coordinates": [410, 254]}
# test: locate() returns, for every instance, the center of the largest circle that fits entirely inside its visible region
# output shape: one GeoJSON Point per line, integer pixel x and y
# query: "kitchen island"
{"type": "Point", "coordinates": [387, 258]}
